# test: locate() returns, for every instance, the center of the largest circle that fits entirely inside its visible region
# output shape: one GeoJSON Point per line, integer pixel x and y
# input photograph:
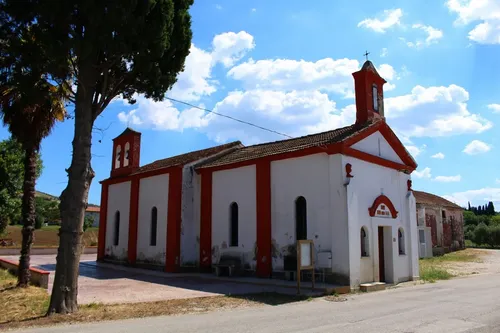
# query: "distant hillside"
{"type": "Point", "coordinates": [46, 196]}
{"type": "Point", "coordinates": [52, 197]}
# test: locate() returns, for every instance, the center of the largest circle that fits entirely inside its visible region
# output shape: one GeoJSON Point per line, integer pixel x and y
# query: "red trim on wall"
{"type": "Point", "coordinates": [376, 160]}
{"type": "Point", "coordinates": [206, 221]}
{"type": "Point", "coordinates": [101, 245]}
{"type": "Point", "coordinates": [133, 220]}
{"type": "Point", "coordinates": [174, 221]}
{"type": "Point", "coordinates": [264, 225]}
{"type": "Point", "coordinates": [382, 199]}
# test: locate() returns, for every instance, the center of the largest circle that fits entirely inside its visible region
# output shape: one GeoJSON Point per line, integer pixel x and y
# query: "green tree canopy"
{"type": "Point", "coordinates": [107, 48]}
{"type": "Point", "coordinates": [11, 178]}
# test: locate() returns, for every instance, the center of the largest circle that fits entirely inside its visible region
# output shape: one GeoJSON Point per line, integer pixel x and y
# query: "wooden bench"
{"type": "Point", "coordinates": [229, 262]}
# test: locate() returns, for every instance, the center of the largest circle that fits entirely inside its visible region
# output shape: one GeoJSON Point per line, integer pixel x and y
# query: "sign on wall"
{"type": "Point", "coordinates": [305, 259]}
{"type": "Point", "coordinates": [383, 207]}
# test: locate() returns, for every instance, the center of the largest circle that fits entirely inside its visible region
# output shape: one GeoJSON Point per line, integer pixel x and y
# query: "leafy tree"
{"type": "Point", "coordinates": [481, 234]}
{"type": "Point", "coordinates": [11, 179]}
{"type": "Point", "coordinates": [88, 222]}
{"type": "Point", "coordinates": [39, 221]}
{"type": "Point", "coordinates": [108, 48]}
{"type": "Point", "coordinates": [30, 105]}
{"type": "Point", "coordinates": [47, 208]}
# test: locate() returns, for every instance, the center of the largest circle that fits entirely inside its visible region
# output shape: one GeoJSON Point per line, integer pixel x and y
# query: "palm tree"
{"type": "Point", "coordinates": [30, 107]}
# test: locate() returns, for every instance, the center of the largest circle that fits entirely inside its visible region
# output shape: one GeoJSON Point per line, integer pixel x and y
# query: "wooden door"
{"type": "Point", "coordinates": [381, 254]}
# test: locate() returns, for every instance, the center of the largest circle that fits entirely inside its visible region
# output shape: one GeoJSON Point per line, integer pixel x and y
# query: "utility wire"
{"type": "Point", "coordinates": [229, 117]}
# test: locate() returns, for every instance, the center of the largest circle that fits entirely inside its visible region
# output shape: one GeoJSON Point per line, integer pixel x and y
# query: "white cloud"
{"type": "Point", "coordinates": [384, 52]}
{"type": "Point", "coordinates": [486, 13]}
{"type": "Point", "coordinates": [425, 173]}
{"type": "Point", "coordinates": [217, 6]}
{"type": "Point", "coordinates": [195, 81]}
{"type": "Point", "coordinates": [438, 156]}
{"type": "Point", "coordinates": [414, 150]}
{"type": "Point", "coordinates": [448, 179]}
{"type": "Point", "coordinates": [497, 181]}
{"type": "Point", "coordinates": [390, 18]}
{"type": "Point", "coordinates": [286, 74]}
{"type": "Point", "coordinates": [433, 36]}
{"type": "Point", "coordinates": [434, 112]}
{"type": "Point", "coordinates": [230, 47]}
{"type": "Point", "coordinates": [254, 10]}
{"type": "Point", "coordinates": [163, 116]}
{"type": "Point", "coordinates": [494, 107]}
{"type": "Point", "coordinates": [476, 147]}
{"type": "Point", "coordinates": [482, 195]}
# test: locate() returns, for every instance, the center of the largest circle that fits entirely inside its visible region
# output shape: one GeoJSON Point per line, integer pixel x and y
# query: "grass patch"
{"type": "Point", "coordinates": [48, 236]}
{"type": "Point", "coordinates": [437, 268]}
{"type": "Point", "coordinates": [27, 306]}
{"type": "Point", "coordinates": [430, 273]}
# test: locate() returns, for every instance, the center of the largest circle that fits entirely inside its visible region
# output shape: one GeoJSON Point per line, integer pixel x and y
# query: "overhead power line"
{"type": "Point", "coordinates": [229, 117]}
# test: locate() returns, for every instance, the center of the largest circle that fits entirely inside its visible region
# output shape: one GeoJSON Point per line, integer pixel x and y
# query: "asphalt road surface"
{"type": "Point", "coordinates": [462, 305]}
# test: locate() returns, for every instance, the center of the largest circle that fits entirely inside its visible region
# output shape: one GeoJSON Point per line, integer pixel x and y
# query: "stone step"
{"type": "Point", "coordinates": [373, 286]}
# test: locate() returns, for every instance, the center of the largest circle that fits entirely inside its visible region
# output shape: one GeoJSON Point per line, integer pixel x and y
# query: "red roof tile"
{"type": "Point", "coordinates": [285, 146]}
{"type": "Point", "coordinates": [425, 198]}
{"type": "Point", "coordinates": [95, 209]}
{"type": "Point", "coordinates": [187, 158]}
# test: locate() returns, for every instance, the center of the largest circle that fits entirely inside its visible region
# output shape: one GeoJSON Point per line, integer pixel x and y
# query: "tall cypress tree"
{"type": "Point", "coordinates": [107, 48]}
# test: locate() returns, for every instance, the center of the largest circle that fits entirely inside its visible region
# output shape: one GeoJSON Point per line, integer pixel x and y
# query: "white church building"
{"type": "Point", "coordinates": [348, 190]}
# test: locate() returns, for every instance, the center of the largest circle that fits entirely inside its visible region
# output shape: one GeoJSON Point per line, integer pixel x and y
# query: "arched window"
{"type": "Point", "coordinates": [127, 150]}
{"type": "Point", "coordinates": [154, 226]}
{"type": "Point", "coordinates": [116, 236]}
{"type": "Point", "coordinates": [375, 98]}
{"type": "Point", "coordinates": [301, 218]}
{"type": "Point", "coordinates": [233, 224]}
{"type": "Point", "coordinates": [401, 241]}
{"type": "Point", "coordinates": [364, 242]}
{"type": "Point", "coordinates": [118, 156]}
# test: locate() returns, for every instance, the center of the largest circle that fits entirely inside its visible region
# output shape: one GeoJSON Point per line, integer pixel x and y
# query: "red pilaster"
{"type": "Point", "coordinates": [206, 221]}
{"type": "Point", "coordinates": [263, 186]}
{"type": "Point", "coordinates": [174, 221]}
{"type": "Point", "coordinates": [101, 245]}
{"type": "Point", "coordinates": [133, 220]}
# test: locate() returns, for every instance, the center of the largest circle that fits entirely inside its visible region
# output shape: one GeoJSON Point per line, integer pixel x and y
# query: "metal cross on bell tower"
{"type": "Point", "coordinates": [366, 55]}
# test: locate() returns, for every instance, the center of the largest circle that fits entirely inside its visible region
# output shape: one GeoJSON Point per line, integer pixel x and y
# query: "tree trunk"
{"type": "Point", "coordinates": [73, 205]}
{"type": "Point", "coordinates": [28, 214]}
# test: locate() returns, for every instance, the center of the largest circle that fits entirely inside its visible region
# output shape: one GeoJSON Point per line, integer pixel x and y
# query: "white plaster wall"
{"type": "Point", "coordinates": [308, 177]}
{"type": "Point", "coordinates": [118, 200]}
{"type": "Point", "coordinates": [370, 145]}
{"type": "Point", "coordinates": [338, 217]}
{"type": "Point", "coordinates": [228, 186]}
{"type": "Point", "coordinates": [369, 182]}
{"type": "Point", "coordinates": [153, 192]}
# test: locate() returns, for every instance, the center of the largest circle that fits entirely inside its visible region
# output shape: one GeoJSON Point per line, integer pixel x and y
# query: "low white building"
{"type": "Point", "coordinates": [348, 190]}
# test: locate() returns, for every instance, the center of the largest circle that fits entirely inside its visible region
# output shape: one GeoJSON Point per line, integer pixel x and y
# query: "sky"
{"type": "Point", "coordinates": [288, 66]}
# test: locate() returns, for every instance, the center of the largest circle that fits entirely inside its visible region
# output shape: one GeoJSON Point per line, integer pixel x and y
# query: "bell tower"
{"type": "Point", "coordinates": [369, 91]}
{"type": "Point", "coordinates": [126, 153]}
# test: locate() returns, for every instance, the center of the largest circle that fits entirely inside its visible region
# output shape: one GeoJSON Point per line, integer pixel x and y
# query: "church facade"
{"type": "Point", "coordinates": [348, 190]}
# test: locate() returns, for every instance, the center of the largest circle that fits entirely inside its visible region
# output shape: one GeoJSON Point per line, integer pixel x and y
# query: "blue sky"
{"type": "Point", "coordinates": [287, 66]}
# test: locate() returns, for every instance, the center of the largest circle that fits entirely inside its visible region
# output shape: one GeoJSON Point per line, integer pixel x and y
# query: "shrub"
{"type": "Point", "coordinates": [88, 222]}
{"type": "Point", "coordinates": [4, 222]}
{"type": "Point", "coordinates": [481, 234]}
{"type": "Point", "coordinates": [39, 220]}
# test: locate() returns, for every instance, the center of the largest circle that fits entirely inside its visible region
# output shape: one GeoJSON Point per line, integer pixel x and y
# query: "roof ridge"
{"type": "Point", "coordinates": [299, 137]}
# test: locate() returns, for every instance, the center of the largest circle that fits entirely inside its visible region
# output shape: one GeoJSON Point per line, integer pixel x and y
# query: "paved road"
{"type": "Point", "coordinates": [462, 305]}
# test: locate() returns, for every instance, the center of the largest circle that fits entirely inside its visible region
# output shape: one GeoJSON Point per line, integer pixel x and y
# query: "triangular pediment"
{"type": "Point", "coordinates": [382, 143]}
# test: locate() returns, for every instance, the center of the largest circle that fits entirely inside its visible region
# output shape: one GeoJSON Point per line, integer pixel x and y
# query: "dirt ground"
{"type": "Point", "coordinates": [488, 262]}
